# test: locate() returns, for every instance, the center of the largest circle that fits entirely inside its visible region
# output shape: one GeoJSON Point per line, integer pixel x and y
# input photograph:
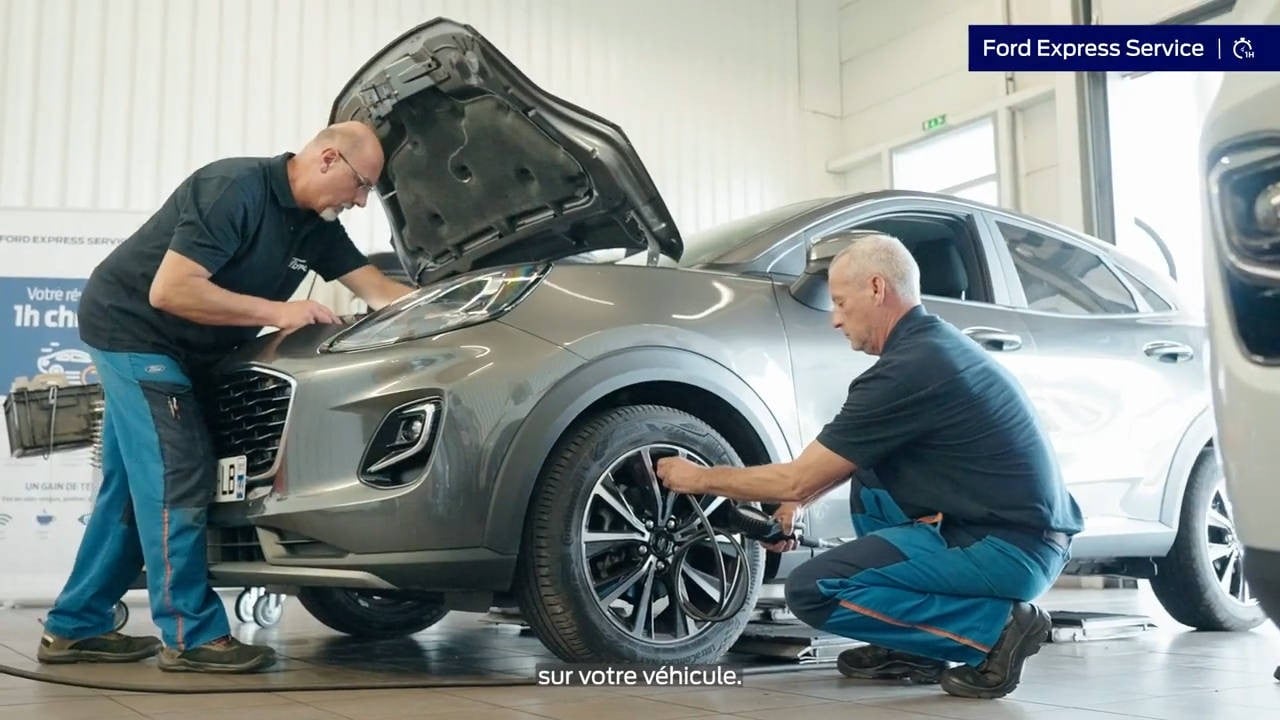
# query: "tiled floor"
{"type": "Point", "coordinates": [1170, 674]}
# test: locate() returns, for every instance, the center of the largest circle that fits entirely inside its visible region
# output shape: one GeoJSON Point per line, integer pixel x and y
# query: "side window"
{"type": "Point", "coordinates": [1059, 277]}
{"type": "Point", "coordinates": [950, 262]}
{"type": "Point", "coordinates": [1157, 303]}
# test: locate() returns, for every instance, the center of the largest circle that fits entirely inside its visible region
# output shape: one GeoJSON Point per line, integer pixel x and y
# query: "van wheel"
{"type": "Point", "coordinates": [1201, 582]}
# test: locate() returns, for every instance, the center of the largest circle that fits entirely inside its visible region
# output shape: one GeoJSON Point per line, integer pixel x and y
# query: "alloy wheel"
{"type": "Point", "coordinates": [1226, 552]}
{"type": "Point", "coordinates": [631, 529]}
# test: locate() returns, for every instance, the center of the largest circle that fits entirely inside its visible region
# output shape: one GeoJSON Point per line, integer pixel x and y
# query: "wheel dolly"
{"type": "Point", "coordinates": [253, 604]}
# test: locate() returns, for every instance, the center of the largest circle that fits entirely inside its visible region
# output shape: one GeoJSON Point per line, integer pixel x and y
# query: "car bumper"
{"type": "Point", "coordinates": [313, 520]}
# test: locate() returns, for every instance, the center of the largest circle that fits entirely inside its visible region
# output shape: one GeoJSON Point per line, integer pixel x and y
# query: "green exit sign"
{"type": "Point", "coordinates": [933, 123]}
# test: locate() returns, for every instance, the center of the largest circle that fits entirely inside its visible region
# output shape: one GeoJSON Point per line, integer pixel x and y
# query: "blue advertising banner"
{"type": "Point", "coordinates": [1124, 48]}
{"type": "Point", "coordinates": [39, 330]}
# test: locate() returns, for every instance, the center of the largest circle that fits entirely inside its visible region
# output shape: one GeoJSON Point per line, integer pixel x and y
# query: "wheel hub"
{"type": "Point", "coordinates": [662, 544]}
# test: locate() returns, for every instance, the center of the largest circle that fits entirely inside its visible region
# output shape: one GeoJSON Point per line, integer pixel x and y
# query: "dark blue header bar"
{"type": "Point", "coordinates": [1124, 48]}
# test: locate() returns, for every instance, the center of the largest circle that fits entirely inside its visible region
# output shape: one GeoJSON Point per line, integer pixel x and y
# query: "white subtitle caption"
{"type": "Point", "coordinates": [639, 675]}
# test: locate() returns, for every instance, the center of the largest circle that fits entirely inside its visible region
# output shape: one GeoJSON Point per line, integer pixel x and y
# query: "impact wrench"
{"type": "Point", "coordinates": [719, 526]}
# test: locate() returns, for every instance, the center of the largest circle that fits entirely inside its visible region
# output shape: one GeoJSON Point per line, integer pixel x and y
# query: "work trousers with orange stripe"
{"type": "Point", "coordinates": [158, 478]}
{"type": "Point", "coordinates": [903, 585]}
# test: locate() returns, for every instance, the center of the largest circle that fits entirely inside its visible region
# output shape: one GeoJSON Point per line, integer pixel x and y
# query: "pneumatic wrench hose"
{"type": "Point", "coordinates": [719, 526]}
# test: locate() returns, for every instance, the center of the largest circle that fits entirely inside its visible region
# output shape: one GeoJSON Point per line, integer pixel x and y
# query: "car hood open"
{"type": "Point", "coordinates": [484, 168]}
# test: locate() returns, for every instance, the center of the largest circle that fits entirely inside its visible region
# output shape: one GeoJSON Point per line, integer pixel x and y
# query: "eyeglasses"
{"type": "Point", "coordinates": [364, 184]}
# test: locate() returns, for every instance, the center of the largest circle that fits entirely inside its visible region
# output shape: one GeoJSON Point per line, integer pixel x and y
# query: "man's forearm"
{"type": "Point", "coordinates": [760, 483]}
{"type": "Point", "coordinates": [201, 301]}
{"type": "Point", "coordinates": [389, 293]}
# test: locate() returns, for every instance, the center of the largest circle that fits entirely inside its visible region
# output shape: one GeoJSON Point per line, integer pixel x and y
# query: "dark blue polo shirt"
{"type": "Point", "coordinates": [237, 217]}
{"type": "Point", "coordinates": [945, 428]}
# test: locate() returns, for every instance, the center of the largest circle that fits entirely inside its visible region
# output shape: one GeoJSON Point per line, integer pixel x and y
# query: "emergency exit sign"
{"type": "Point", "coordinates": [933, 123]}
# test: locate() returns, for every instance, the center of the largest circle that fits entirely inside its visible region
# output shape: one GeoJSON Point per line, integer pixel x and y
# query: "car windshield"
{"type": "Point", "coordinates": [710, 244]}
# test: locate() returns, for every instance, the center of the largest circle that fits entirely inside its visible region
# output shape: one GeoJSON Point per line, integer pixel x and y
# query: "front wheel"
{"type": "Point", "coordinates": [1201, 582]}
{"type": "Point", "coordinates": [369, 613]}
{"type": "Point", "coordinates": [598, 576]}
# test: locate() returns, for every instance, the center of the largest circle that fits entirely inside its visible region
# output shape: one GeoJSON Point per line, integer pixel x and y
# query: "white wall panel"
{"type": "Point", "coordinates": [110, 103]}
{"type": "Point", "coordinates": [905, 62]}
{"type": "Point", "coordinates": [1141, 12]}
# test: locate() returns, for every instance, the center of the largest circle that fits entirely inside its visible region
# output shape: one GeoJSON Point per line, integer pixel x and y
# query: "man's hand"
{"type": "Point", "coordinates": [786, 517]}
{"type": "Point", "coordinates": [680, 475]}
{"type": "Point", "coordinates": [298, 313]}
{"type": "Point", "coordinates": [373, 287]}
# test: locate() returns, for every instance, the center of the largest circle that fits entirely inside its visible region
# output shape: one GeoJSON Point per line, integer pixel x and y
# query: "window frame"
{"type": "Point", "coordinates": [1014, 280]}
{"type": "Point", "coordinates": [989, 257]}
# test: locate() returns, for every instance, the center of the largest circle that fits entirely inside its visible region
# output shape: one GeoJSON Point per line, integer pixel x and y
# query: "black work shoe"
{"type": "Point", "coordinates": [224, 655]}
{"type": "Point", "coordinates": [1000, 673]}
{"type": "Point", "coordinates": [108, 647]}
{"type": "Point", "coordinates": [876, 663]}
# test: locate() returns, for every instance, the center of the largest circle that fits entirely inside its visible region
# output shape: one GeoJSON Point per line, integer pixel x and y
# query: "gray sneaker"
{"type": "Point", "coordinates": [224, 655]}
{"type": "Point", "coordinates": [109, 647]}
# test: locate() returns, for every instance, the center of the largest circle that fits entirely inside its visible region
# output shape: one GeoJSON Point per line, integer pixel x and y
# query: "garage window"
{"type": "Point", "coordinates": [959, 162]}
{"type": "Point", "coordinates": [1060, 277]}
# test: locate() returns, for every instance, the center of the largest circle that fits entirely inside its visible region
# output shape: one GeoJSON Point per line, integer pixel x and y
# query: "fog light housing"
{"type": "Point", "coordinates": [400, 447]}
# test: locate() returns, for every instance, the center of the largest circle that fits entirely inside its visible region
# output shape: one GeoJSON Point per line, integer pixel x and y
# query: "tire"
{"type": "Point", "coordinates": [553, 586]}
{"type": "Point", "coordinates": [1188, 583]}
{"type": "Point", "coordinates": [368, 614]}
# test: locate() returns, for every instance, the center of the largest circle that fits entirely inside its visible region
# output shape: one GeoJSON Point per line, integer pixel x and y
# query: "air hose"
{"type": "Point", "coordinates": [720, 526]}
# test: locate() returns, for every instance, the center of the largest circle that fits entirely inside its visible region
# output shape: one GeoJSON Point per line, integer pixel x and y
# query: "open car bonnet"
{"type": "Point", "coordinates": [484, 168]}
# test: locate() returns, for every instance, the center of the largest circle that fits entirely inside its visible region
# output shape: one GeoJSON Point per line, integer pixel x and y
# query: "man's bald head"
{"type": "Point", "coordinates": [337, 168]}
{"type": "Point", "coordinates": [353, 139]}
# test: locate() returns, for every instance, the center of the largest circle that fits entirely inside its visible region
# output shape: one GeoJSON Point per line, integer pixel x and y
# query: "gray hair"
{"type": "Point", "coordinates": [881, 254]}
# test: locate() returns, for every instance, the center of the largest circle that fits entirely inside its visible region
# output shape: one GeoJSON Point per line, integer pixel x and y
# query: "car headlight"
{"type": "Point", "coordinates": [1244, 204]}
{"type": "Point", "coordinates": [457, 302]}
{"type": "Point", "coordinates": [1246, 183]}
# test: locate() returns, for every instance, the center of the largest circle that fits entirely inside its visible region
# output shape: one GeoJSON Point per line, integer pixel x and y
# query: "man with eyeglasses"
{"type": "Point", "coordinates": [215, 265]}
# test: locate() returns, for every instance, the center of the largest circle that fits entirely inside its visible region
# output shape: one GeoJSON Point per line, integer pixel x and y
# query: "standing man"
{"type": "Point", "coordinates": [961, 514]}
{"type": "Point", "coordinates": [214, 266]}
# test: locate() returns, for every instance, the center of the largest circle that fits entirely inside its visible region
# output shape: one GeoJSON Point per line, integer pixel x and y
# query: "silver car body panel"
{"type": "Point", "coordinates": [1126, 426]}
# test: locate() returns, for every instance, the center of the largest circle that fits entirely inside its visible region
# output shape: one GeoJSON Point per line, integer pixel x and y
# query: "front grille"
{"type": "Point", "coordinates": [248, 418]}
{"type": "Point", "coordinates": [234, 544]}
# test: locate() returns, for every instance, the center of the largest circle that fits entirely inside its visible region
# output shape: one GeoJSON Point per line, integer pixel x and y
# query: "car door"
{"type": "Point", "coordinates": [962, 287]}
{"type": "Point", "coordinates": [1116, 381]}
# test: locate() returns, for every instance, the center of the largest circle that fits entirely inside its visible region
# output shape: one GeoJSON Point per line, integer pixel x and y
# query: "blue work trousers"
{"type": "Point", "coordinates": [158, 478]}
{"type": "Point", "coordinates": [903, 586]}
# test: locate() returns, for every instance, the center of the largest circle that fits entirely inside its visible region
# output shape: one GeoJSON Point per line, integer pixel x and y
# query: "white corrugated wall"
{"type": "Point", "coordinates": [109, 103]}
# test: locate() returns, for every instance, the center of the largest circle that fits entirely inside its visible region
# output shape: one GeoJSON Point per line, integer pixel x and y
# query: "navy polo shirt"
{"type": "Point", "coordinates": [945, 428]}
{"type": "Point", "coordinates": [237, 218]}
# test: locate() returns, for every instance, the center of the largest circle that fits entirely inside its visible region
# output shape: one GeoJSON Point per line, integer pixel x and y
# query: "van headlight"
{"type": "Point", "coordinates": [447, 305]}
{"type": "Point", "coordinates": [1244, 184]}
{"type": "Point", "coordinates": [1244, 208]}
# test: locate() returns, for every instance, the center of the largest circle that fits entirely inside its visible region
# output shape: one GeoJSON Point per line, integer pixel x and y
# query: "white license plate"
{"type": "Point", "coordinates": [231, 479]}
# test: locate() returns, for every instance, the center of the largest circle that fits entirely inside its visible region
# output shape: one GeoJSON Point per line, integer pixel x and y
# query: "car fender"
{"type": "Point", "coordinates": [1198, 434]}
{"type": "Point", "coordinates": [537, 435]}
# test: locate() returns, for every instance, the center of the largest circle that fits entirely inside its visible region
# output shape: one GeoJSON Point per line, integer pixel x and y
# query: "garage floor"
{"type": "Point", "coordinates": [1168, 673]}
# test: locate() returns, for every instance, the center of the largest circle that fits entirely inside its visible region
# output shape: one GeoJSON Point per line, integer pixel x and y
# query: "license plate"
{"type": "Point", "coordinates": [231, 479]}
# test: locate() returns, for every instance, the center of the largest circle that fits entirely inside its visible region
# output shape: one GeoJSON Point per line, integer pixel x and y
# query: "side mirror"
{"type": "Point", "coordinates": [822, 251]}
{"type": "Point", "coordinates": [811, 287]}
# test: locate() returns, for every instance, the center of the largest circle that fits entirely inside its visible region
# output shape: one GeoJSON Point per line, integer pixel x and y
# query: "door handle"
{"type": "Point", "coordinates": [1170, 352]}
{"type": "Point", "coordinates": [994, 338]}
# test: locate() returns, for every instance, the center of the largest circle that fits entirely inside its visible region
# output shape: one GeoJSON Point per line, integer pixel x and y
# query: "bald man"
{"type": "Point", "coordinates": [961, 515]}
{"type": "Point", "coordinates": [215, 265]}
